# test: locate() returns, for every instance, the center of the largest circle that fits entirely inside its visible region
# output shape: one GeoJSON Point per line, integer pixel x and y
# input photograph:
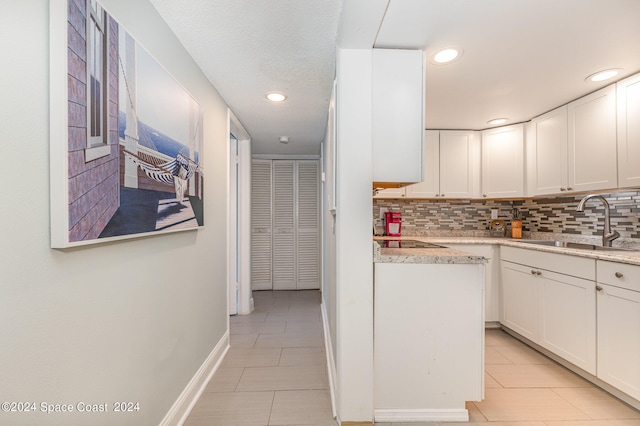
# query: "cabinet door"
{"type": "Point", "coordinates": [520, 306]}
{"type": "Point", "coordinates": [592, 141]}
{"type": "Point", "coordinates": [547, 153]}
{"type": "Point", "coordinates": [261, 216]}
{"type": "Point", "coordinates": [503, 162]}
{"type": "Point", "coordinates": [459, 164]}
{"type": "Point", "coordinates": [619, 338]}
{"type": "Point", "coordinates": [429, 187]}
{"type": "Point", "coordinates": [568, 318]}
{"type": "Point", "coordinates": [397, 102]}
{"type": "Point", "coordinates": [628, 92]}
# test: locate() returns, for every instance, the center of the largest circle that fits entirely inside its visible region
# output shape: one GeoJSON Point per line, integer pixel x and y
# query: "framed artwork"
{"type": "Point", "coordinates": [126, 137]}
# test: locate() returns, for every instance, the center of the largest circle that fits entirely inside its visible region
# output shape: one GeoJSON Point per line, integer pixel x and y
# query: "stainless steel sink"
{"type": "Point", "coordinates": [579, 246]}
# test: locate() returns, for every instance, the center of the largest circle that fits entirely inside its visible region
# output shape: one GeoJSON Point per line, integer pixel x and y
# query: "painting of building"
{"type": "Point", "coordinates": [134, 136]}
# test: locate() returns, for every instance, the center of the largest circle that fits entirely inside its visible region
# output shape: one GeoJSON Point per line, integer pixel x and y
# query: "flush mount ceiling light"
{"type": "Point", "coordinates": [497, 121]}
{"type": "Point", "coordinates": [276, 97]}
{"type": "Point", "coordinates": [284, 139]}
{"type": "Point", "coordinates": [603, 75]}
{"type": "Point", "coordinates": [446, 56]}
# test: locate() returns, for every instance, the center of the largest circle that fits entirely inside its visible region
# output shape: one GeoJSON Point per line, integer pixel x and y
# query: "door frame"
{"type": "Point", "coordinates": [240, 197]}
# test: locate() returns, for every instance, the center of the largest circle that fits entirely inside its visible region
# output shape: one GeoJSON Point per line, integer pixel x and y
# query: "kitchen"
{"type": "Point", "coordinates": [468, 215]}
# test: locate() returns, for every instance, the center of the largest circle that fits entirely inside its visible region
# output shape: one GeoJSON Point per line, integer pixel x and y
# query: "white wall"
{"type": "Point", "coordinates": [125, 321]}
{"type": "Point", "coordinates": [354, 252]}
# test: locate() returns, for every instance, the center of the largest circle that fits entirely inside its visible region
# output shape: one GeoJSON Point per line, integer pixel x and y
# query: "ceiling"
{"type": "Point", "coordinates": [521, 58]}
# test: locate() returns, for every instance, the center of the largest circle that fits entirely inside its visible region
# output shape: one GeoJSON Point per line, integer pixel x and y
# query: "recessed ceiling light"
{"type": "Point", "coordinates": [603, 75]}
{"type": "Point", "coordinates": [446, 56]}
{"type": "Point", "coordinates": [496, 121]}
{"type": "Point", "coordinates": [276, 97]}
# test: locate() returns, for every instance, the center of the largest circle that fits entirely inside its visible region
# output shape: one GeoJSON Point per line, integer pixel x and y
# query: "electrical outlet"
{"type": "Point", "coordinates": [383, 210]}
{"type": "Point", "coordinates": [494, 214]}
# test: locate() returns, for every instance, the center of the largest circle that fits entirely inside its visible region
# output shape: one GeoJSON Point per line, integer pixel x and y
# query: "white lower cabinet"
{"type": "Point", "coordinates": [550, 299]}
{"type": "Point", "coordinates": [619, 326]}
{"type": "Point", "coordinates": [568, 318]}
{"type": "Point", "coordinates": [520, 301]}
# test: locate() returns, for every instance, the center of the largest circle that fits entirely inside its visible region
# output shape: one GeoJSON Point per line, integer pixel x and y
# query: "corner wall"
{"type": "Point", "coordinates": [129, 321]}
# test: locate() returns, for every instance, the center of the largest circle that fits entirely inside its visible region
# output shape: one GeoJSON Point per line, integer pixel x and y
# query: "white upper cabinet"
{"type": "Point", "coordinates": [628, 92]}
{"type": "Point", "coordinates": [430, 185]}
{"type": "Point", "coordinates": [451, 167]}
{"type": "Point", "coordinates": [459, 164]}
{"type": "Point", "coordinates": [592, 153]}
{"type": "Point", "coordinates": [546, 145]}
{"type": "Point", "coordinates": [398, 113]}
{"type": "Point", "coordinates": [503, 162]}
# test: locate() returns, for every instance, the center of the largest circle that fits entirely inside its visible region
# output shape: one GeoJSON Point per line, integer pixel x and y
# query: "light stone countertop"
{"type": "Point", "coordinates": [423, 255]}
{"type": "Point", "coordinates": [446, 255]}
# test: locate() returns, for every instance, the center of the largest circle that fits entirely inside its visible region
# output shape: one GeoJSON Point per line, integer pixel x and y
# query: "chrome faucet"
{"type": "Point", "coordinates": [607, 235]}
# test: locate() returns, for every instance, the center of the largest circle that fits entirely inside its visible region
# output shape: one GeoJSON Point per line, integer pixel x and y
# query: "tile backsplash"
{"type": "Point", "coordinates": [554, 215]}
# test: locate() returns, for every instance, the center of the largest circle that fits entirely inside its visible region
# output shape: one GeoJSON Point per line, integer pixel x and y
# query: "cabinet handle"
{"type": "Point", "coordinates": [569, 188]}
{"type": "Point", "coordinates": [598, 288]}
{"type": "Point", "coordinates": [442, 195]}
{"type": "Point", "coordinates": [538, 273]}
{"type": "Point", "coordinates": [619, 275]}
{"type": "Point", "coordinates": [484, 195]}
{"type": "Point", "coordinates": [533, 272]}
{"type": "Point", "coordinates": [563, 189]}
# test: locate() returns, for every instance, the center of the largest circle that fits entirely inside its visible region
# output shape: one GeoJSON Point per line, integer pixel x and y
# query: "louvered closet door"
{"type": "Point", "coordinates": [284, 266]}
{"type": "Point", "coordinates": [261, 218]}
{"type": "Point", "coordinates": [308, 250]}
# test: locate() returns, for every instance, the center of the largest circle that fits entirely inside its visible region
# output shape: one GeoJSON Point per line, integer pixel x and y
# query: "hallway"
{"type": "Point", "coordinates": [275, 372]}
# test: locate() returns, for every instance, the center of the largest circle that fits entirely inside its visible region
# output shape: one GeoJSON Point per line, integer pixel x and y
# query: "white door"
{"type": "Point", "coordinates": [261, 216]}
{"type": "Point", "coordinates": [307, 225]}
{"type": "Point", "coordinates": [284, 235]}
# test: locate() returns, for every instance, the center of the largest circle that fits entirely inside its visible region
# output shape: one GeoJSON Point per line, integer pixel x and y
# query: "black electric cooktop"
{"type": "Point", "coordinates": [408, 244]}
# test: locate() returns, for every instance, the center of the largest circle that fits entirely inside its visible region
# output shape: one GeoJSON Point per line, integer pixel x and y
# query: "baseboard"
{"type": "Point", "coordinates": [491, 325]}
{"type": "Point", "coordinates": [426, 415]}
{"type": "Point", "coordinates": [189, 396]}
{"type": "Point", "coordinates": [331, 362]}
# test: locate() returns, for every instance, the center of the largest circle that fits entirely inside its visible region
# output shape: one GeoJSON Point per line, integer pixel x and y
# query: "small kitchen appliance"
{"type": "Point", "coordinates": [498, 228]}
{"type": "Point", "coordinates": [392, 224]}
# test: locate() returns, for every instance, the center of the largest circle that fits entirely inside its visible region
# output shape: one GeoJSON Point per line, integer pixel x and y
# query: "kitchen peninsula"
{"type": "Point", "coordinates": [428, 332]}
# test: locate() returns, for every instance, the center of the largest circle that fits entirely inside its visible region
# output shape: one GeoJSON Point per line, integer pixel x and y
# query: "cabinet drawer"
{"type": "Point", "coordinates": [575, 266]}
{"type": "Point", "coordinates": [619, 274]}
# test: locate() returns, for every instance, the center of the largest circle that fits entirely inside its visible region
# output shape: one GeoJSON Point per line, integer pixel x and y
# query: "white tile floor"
{"type": "Point", "coordinates": [275, 374]}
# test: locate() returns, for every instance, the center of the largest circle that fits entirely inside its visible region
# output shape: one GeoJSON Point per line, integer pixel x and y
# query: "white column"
{"type": "Point", "coordinates": [354, 263]}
